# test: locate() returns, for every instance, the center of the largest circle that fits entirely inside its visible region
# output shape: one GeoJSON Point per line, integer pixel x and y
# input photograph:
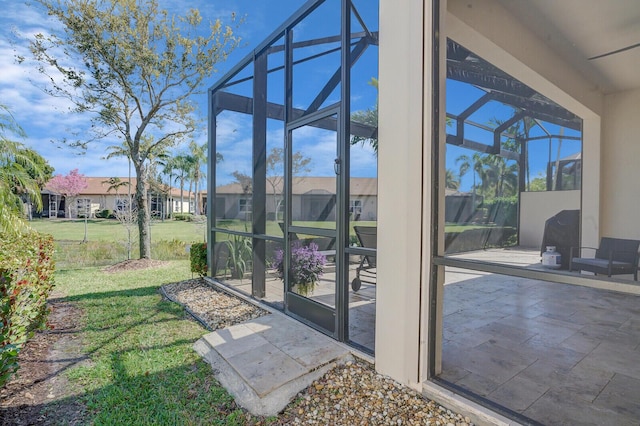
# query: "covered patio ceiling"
{"type": "Point", "coordinates": [599, 28]}
{"type": "Point", "coordinates": [601, 43]}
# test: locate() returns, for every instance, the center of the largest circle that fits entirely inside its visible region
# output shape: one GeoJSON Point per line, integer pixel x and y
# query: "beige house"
{"type": "Point", "coordinates": [313, 199]}
{"type": "Point", "coordinates": [97, 197]}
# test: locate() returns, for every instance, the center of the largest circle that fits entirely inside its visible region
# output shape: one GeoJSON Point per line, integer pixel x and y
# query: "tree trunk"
{"type": "Point", "coordinates": [181, 195]}
{"type": "Point", "coordinates": [197, 203]}
{"type": "Point", "coordinates": [143, 213]}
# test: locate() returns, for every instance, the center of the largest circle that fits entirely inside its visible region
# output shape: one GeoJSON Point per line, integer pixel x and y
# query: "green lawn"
{"type": "Point", "coordinates": [273, 228]}
{"type": "Point", "coordinates": [112, 230]}
{"type": "Point", "coordinates": [452, 227]}
{"type": "Point", "coordinates": [143, 369]}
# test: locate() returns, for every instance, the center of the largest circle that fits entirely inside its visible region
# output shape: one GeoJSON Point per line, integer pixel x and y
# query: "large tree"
{"type": "Point", "coordinates": [134, 68]}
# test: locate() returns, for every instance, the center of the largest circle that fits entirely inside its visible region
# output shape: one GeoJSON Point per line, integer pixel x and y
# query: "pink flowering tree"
{"type": "Point", "coordinates": [68, 185]}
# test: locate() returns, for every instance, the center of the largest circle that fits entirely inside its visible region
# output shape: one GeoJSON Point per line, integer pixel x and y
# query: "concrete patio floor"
{"type": "Point", "coordinates": [555, 353]}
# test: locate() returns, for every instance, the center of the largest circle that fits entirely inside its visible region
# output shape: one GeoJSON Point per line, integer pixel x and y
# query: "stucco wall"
{"type": "Point", "coordinates": [621, 165]}
{"type": "Point", "coordinates": [537, 207]}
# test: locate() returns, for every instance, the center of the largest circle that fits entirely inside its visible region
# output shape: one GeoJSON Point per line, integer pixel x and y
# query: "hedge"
{"type": "Point", "coordinates": [502, 211]}
{"type": "Point", "coordinates": [26, 279]}
{"type": "Point", "coordinates": [198, 257]}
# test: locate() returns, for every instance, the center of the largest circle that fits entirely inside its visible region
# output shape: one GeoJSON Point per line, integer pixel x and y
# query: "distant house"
{"type": "Point", "coordinates": [313, 199]}
{"type": "Point", "coordinates": [97, 197]}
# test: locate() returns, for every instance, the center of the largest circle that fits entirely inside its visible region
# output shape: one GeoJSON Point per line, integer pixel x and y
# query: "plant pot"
{"type": "Point", "coordinates": [304, 289]}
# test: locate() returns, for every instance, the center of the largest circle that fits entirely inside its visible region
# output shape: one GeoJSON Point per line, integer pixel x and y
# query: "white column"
{"type": "Point", "coordinates": [403, 169]}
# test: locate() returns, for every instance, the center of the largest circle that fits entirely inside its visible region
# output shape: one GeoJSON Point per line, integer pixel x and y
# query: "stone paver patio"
{"type": "Point", "coordinates": [555, 353]}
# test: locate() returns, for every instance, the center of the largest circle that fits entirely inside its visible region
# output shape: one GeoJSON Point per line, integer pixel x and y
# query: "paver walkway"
{"type": "Point", "coordinates": [265, 362]}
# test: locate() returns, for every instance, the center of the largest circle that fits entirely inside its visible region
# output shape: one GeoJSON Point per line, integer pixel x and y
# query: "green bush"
{"type": "Point", "coordinates": [106, 214]}
{"type": "Point", "coordinates": [26, 279]}
{"type": "Point", "coordinates": [198, 257]}
{"type": "Point", "coordinates": [183, 216]}
{"type": "Point", "coordinates": [502, 211]}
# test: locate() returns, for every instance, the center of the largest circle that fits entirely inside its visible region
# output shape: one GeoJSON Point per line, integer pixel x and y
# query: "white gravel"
{"type": "Point", "coordinates": [352, 394]}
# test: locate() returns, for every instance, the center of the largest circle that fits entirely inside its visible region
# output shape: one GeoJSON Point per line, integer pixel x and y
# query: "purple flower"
{"type": "Point", "coordinates": [306, 264]}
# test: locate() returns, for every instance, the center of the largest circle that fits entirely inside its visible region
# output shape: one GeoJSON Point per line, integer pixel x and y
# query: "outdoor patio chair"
{"type": "Point", "coordinates": [366, 270]}
{"type": "Point", "coordinates": [325, 244]}
{"type": "Point", "coordinates": [615, 256]}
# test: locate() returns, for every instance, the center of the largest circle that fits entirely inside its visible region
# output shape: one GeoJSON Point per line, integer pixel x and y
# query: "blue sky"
{"type": "Point", "coordinates": [45, 121]}
{"type": "Point", "coordinates": [44, 118]}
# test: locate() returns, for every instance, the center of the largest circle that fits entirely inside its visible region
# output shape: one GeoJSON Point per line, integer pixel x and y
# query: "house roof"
{"type": "Point", "coordinates": [310, 185]}
{"type": "Point", "coordinates": [100, 186]}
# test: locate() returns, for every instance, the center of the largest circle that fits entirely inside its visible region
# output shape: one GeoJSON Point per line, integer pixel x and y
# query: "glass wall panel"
{"type": "Point", "coordinates": [363, 178]}
{"type": "Point", "coordinates": [507, 158]}
{"type": "Point", "coordinates": [233, 260]}
{"type": "Point", "coordinates": [313, 194]}
{"type": "Point", "coordinates": [275, 201]}
{"type": "Point", "coordinates": [274, 281]}
{"type": "Point", "coordinates": [363, 201]}
{"type": "Point", "coordinates": [234, 187]}
{"type": "Point", "coordinates": [312, 271]}
{"type": "Point", "coordinates": [316, 57]}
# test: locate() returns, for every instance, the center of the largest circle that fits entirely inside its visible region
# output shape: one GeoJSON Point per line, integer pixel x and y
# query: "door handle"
{"type": "Point", "coordinates": [336, 166]}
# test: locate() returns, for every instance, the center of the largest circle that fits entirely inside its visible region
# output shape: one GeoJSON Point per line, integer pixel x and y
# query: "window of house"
{"type": "Point", "coordinates": [122, 204]}
{"type": "Point", "coordinates": [355, 207]}
{"type": "Point", "coordinates": [244, 205]}
{"type": "Point", "coordinates": [83, 207]}
{"type": "Point", "coordinates": [83, 204]}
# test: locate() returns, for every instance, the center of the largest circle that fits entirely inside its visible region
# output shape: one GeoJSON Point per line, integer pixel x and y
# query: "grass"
{"type": "Point", "coordinates": [451, 227]}
{"type": "Point", "coordinates": [112, 230]}
{"type": "Point", "coordinates": [143, 369]}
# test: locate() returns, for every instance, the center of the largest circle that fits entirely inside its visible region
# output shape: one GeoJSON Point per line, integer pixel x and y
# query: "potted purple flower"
{"type": "Point", "coordinates": [306, 267]}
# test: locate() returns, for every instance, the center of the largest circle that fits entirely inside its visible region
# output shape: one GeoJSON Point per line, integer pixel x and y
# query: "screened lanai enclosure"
{"type": "Point", "coordinates": [513, 161]}
{"type": "Point", "coordinates": [293, 158]}
{"type": "Point", "coordinates": [530, 340]}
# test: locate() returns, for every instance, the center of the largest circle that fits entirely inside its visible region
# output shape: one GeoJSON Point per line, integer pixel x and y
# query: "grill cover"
{"type": "Point", "coordinates": [562, 231]}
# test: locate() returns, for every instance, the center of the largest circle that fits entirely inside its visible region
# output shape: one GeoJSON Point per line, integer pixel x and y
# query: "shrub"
{"type": "Point", "coordinates": [106, 214]}
{"type": "Point", "coordinates": [240, 255]}
{"type": "Point", "coordinates": [502, 211]}
{"type": "Point", "coordinates": [198, 257]}
{"type": "Point", "coordinates": [188, 217]}
{"type": "Point", "coordinates": [26, 279]}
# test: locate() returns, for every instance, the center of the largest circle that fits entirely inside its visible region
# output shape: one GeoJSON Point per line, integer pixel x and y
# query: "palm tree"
{"type": "Point", "coordinates": [503, 177]}
{"type": "Point", "coordinates": [182, 165]}
{"type": "Point", "coordinates": [451, 180]}
{"type": "Point", "coordinates": [473, 163]}
{"type": "Point", "coordinates": [15, 164]}
{"type": "Point", "coordinates": [115, 183]}
{"type": "Point", "coordinates": [199, 158]}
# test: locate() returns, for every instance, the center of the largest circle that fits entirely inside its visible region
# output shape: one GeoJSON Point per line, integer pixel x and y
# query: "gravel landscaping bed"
{"type": "Point", "coordinates": [213, 308]}
{"type": "Point", "coordinates": [351, 394]}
